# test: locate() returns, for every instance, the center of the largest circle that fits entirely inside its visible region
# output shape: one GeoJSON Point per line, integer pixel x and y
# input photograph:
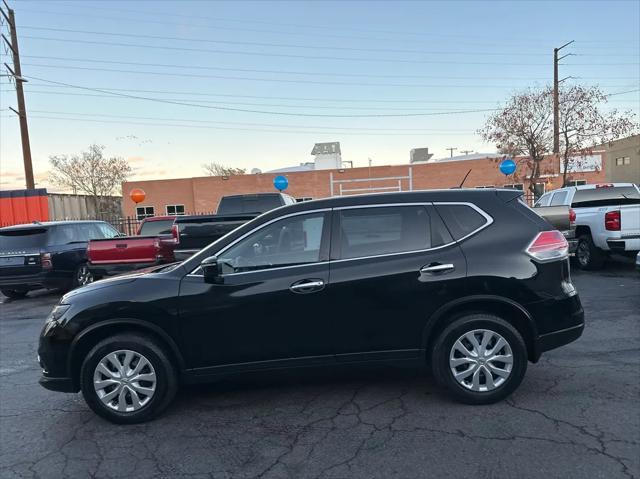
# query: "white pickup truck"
{"type": "Point", "coordinates": [607, 220]}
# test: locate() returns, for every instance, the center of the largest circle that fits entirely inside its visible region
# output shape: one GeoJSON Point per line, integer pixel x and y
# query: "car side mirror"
{"type": "Point", "coordinates": [212, 270]}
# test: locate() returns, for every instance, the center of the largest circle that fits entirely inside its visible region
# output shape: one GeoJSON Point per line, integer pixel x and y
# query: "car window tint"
{"type": "Point", "coordinates": [106, 230]}
{"type": "Point", "coordinates": [543, 200]}
{"type": "Point", "coordinates": [461, 220]}
{"type": "Point", "coordinates": [155, 228]}
{"type": "Point", "coordinates": [559, 198]}
{"type": "Point", "coordinates": [606, 196]}
{"type": "Point", "coordinates": [384, 230]}
{"type": "Point", "coordinates": [439, 233]}
{"type": "Point", "coordinates": [22, 239]}
{"type": "Point", "coordinates": [287, 242]}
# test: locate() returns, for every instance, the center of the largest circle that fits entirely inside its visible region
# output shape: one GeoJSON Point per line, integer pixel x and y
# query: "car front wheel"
{"type": "Point", "coordinates": [14, 293]}
{"type": "Point", "coordinates": [128, 379]}
{"type": "Point", "coordinates": [479, 359]}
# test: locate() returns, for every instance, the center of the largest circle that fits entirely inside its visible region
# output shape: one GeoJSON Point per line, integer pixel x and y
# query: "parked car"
{"type": "Point", "coordinates": [195, 232]}
{"type": "Point", "coordinates": [47, 255]}
{"type": "Point", "coordinates": [471, 281]}
{"type": "Point", "coordinates": [607, 220]}
{"type": "Point", "coordinates": [153, 245]}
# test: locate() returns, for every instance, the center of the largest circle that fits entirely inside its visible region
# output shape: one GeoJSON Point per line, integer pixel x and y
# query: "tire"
{"type": "Point", "coordinates": [131, 347]}
{"type": "Point", "coordinates": [588, 256]}
{"type": "Point", "coordinates": [485, 390]}
{"type": "Point", "coordinates": [14, 293]}
{"type": "Point", "coordinates": [81, 276]}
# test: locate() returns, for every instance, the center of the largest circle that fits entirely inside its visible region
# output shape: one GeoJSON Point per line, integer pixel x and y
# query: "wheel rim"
{"type": "Point", "coordinates": [583, 253]}
{"type": "Point", "coordinates": [481, 360]}
{"type": "Point", "coordinates": [124, 381]}
{"type": "Point", "coordinates": [84, 275]}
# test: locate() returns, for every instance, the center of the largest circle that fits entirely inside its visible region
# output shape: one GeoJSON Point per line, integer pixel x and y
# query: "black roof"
{"type": "Point", "coordinates": [44, 224]}
{"type": "Point", "coordinates": [456, 194]}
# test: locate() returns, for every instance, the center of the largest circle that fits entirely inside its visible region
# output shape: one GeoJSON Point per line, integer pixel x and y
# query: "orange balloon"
{"type": "Point", "coordinates": [137, 195]}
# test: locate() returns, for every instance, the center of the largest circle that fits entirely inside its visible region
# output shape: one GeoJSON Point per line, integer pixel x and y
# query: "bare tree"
{"type": "Point", "coordinates": [524, 127]}
{"type": "Point", "coordinates": [90, 172]}
{"type": "Point", "coordinates": [583, 125]}
{"type": "Point", "coordinates": [218, 169]}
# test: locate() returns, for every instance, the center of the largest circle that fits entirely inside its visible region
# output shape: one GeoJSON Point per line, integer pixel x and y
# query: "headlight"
{"type": "Point", "coordinates": [58, 312]}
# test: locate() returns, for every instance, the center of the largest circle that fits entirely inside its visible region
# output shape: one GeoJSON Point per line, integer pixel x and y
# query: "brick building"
{"type": "Point", "coordinates": [202, 194]}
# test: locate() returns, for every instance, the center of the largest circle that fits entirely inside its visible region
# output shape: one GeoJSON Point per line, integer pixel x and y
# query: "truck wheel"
{"type": "Point", "coordinates": [128, 379]}
{"type": "Point", "coordinates": [588, 255]}
{"type": "Point", "coordinates": [81, 276]}
{"type": "Point", "coordinates": [14, 293]}
{"type": "Point", "coordinates": [479, 359]}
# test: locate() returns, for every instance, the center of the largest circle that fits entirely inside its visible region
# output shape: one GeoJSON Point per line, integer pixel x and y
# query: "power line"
{"type": "Point", "coordinates": [289, 72]}
{"type": "Point", "coordinates": [269, 125]}
{"type": "Point", "coordinates": [288, 131]}
{"type": "Point", "coordinates": [196, 105]}
{"type": "Point", "coordinates": [290, 55]}
{"type": "Point", "coordinates": [272, 80]}
{"type": "Point", "coordinates": [475, 39]}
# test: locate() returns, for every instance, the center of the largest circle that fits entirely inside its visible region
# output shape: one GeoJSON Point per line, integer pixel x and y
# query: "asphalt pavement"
{"type": "Point", "coordinates": [576, 415]}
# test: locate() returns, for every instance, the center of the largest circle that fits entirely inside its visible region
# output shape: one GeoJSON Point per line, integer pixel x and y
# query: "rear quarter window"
{"type": "Point", "coordinates": [461, 220]}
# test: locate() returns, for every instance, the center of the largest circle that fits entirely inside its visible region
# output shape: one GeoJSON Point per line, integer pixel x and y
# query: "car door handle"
{"type": "Point", "coordinates": [307, 286]}
{"type": "Point", "coordinates": [437, 268]}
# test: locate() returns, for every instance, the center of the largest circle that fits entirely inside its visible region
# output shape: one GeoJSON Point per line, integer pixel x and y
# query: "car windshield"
{"type": "Point", "coordinates": [22, 239]}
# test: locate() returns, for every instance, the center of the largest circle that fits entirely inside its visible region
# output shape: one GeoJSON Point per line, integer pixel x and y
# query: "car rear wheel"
{"type": "Point", "coordinates": [128, 379]}
{"type": "Point", "coordinates": [588, 255]}
{"type": "Point", "coordinates": [14, 293]}
{"type": "Point", "coordinates": [479, 359]}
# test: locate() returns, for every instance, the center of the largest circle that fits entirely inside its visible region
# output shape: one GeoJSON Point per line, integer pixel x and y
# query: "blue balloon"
{"type": "Point", "coordinates": [281, 183]}
{"type": "Point", "coordinates": [507, 167]}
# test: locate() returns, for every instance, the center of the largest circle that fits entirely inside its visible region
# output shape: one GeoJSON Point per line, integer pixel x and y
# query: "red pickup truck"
{"type": "Point", "coordinates": [153, 245]}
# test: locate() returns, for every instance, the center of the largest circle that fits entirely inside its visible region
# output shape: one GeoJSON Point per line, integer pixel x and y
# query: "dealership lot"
{"type": "Point", "coordinates": [575, 415]}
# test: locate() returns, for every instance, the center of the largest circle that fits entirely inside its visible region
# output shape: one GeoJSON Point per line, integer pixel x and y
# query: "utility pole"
{"type": "Point", "coordinates": [16, 72]}
{"type": "Point", "coordinates": [466, 152]}
{"type": "Point", "coordinates": [451, 151]}
{"type": "Point", "coordinates": [556, 101]}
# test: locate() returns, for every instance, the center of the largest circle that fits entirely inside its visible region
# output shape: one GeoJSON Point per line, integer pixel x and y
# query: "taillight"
{"type": "Point", "coordinates": [45, 261]}
{"type": "Point", "coordinates": [612, 220]}
{"type": "Point", "coordinates": [175, 234]}
{"type": "Point", "coordinates": [572, 215]}
{"type": "Point", "coordinates": [604, 185]}
{"type": "Point", "coordinates": [549, 246]}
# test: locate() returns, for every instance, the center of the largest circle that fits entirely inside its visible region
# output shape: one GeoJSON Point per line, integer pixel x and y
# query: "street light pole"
{"type": "Point", "coordinates": [556, 100]}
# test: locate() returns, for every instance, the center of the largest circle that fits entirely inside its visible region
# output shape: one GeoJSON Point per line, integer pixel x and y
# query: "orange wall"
{"type": "Point", "coordinates": [202, 194]}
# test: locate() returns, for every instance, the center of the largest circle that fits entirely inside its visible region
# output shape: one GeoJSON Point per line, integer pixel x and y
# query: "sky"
{"type": "Point", "coordinates": [172, 85]}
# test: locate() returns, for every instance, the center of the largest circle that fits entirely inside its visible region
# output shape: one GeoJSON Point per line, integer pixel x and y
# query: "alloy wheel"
{"type": "Point", "coordinates": [481, 360]}
{"type": "Point", "coordinates": [84, 275]}
{"type": "Point", "coordinates": [124, 381]}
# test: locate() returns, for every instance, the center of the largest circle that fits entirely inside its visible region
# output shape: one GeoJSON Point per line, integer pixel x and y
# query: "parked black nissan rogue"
{"type": "Point", "coordinates": [471, 281]}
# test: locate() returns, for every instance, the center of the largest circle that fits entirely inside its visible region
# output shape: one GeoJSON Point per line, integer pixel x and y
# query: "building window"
{"type": "Point", "coordinates": [175, 210]}
{"type": "Point", "coordinates": [143, 212]}
{"type": "Point", "coordinates": [576, 182]}
{"type": "Point", "coordinates": [304, 198]}
{"type": "Point", "coordinates": [623, 160]}
{"type": "Point", "coordinates": [515, 186]}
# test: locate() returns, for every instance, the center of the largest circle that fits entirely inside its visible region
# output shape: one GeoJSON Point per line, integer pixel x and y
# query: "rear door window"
{"type": "Point", "coordinates": [606, 196]}
{"type": "Point", "coordinates": [461, 220]}
{"type": "Point", "coordinates": [384, 230]}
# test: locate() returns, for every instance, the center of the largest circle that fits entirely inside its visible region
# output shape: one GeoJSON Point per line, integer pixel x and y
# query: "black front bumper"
{"type": "Point", "coordinates": [63, 385]}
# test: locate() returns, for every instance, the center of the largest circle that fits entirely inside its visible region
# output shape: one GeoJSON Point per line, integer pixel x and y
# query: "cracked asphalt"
{"type": "Point", "coordinates": [576, 415]}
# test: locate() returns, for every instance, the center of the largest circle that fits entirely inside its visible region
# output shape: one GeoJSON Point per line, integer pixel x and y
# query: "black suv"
{"type": "Point", "coordinates": [47, 255]}
{"type": "Point", "coordinates": [471, 281]}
